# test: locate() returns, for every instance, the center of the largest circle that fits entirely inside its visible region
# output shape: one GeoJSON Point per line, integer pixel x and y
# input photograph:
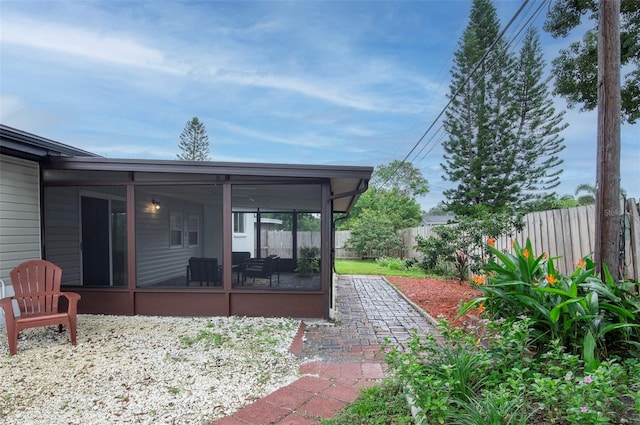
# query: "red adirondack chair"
{"type": "Point", "coordinates": [36, 284]}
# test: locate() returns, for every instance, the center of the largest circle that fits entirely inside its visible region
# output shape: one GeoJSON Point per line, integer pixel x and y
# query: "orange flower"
{"type": "Point", "coordinates": [492, 242]}
{"type": "Point", "coordinates": [478, 279]}
{"type": "Point", "coordinates": [480, 308]}
{"type": "Point", "coordinates": [525, 253]}
{"type": "Point", "coordinates": [544, 255]}
{"type": "Point", "coordinates": [551, 279]}
{"type": "Point", "coordinates": [580, 264]}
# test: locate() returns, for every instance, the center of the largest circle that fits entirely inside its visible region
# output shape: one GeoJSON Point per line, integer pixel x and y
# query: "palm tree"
{"type": "Point", "coordinates": [589, 197]}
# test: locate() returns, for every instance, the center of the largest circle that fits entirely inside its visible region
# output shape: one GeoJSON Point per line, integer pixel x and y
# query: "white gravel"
{"type": "Point", "coordinates": [144, 370]}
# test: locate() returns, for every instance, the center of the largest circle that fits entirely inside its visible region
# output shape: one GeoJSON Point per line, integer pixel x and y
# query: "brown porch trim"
{"type": "Point", "coordinates": [201, 302]}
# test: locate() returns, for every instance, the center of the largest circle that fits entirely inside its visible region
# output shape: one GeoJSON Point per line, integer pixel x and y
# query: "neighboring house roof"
{"type": "Point", "coordinates": [25, 145]}
{"type": "Point", "coordinates": [433, 220]}
{"type": "Point", "coordinates": [273, 221]}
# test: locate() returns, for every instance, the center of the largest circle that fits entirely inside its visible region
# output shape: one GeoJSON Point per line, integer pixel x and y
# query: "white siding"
{"type": "Point", "coordinates": [19, 213]}
{"type": "Point", "coordinates": [19, 217]}
{"type": "Point", "coordinates": [156, 260]}
{"type": "Point", "coordinates": [246, 241]}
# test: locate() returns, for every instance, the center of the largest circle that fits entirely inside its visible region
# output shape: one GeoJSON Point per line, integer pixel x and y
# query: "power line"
{"type": "Point", "coordinates": [475, 68]}
{"type": "Point", "coordinates": [513, 38]}
{"type": "Point", "coordinates": [441, 79]}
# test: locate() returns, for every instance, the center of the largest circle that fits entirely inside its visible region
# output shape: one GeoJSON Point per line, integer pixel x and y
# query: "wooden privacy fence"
{"type": "Point", "coordinates": [279, 242]}
{"type": "Point", "coordinates": [567, 233]}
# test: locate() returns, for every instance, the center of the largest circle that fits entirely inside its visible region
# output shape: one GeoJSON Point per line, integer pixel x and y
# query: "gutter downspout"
{"type": "Point", "coordinates": [332, 288]}
{"type": "Point", "coordinates": [346, 215]}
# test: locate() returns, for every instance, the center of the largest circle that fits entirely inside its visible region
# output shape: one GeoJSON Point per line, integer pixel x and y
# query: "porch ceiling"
{"type": "Point", "coordinates": [263, 180]}
{"type": "Point", "coordinates": [268, 198]}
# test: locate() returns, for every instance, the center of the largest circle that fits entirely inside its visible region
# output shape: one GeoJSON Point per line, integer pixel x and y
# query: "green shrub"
{"type": "Point", "coordinates": [374, 234]}
{"type": "Point", "coordinates": [461, 246]}
{"type": "Point", "coordinates": [308, 261]}
{"type": "Point", "coordinates": [594, 318]}
{"type": "Point", "coordinates": [489, 375]}
{"type": "Point", "coordinates": [391, 263]}
{"type": "Point", "coordinates": [411, 264]}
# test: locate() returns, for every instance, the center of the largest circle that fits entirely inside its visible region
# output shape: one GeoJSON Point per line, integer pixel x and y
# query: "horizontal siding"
{"type": "Point", "coordinates": [156, 260]}
{"type": "Point", "coordinates": [16, 201]}
{"type": "Point", "coordinates": [19, 213]}
{"type": "Point", "coordinates": [10, 230]}
{"type": "Point", "coordinates": [16, 257]}
{"type": "Point", "coordinates": [62, 232]}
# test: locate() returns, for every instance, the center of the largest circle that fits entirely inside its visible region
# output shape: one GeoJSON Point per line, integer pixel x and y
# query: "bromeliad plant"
{"type": "Point", "coordinates": [590, 316]}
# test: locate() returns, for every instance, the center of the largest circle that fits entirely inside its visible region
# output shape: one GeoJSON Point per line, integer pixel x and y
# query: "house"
{"type": "Point", "coordinates": [436, 220]}
{"type": "Point", "coordinates": [245, 227]}
{"type": "Point", "coordinates": [124, 230]}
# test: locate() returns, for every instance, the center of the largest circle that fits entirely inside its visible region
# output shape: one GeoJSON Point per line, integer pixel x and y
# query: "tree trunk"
{"type": "Point", "coordinates": [608, 209]}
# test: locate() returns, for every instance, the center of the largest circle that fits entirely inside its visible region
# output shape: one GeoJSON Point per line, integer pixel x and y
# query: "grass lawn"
{"type": "Point", "coordinates": [382, 404]}
{"type": "Point", "coordinates": [371, 267]}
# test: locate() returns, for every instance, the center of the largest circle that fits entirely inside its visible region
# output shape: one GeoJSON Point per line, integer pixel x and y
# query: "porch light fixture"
{"type": "Point", "coordinates": [156, 204]}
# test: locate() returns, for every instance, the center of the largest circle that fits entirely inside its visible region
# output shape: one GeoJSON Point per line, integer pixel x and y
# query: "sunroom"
{"type": "Point", "coordinates": [192, 238]}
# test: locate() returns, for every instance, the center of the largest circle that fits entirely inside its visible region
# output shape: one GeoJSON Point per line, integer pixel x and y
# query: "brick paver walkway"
{"type": "Point", "coordinates": [342, 357]}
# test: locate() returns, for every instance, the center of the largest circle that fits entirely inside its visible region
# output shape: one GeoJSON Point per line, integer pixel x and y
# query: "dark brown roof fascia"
{"type": "Point", "coordinates": [20, 142]}
{"type": "Point", "coordinates": [220, 168]}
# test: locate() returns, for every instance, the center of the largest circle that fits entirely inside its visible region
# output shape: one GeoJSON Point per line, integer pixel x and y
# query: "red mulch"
{"type": "Point", "coordinates": [438, 296]}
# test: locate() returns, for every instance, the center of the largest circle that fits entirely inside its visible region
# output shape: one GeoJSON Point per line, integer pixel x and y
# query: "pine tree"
{"type": "Point", "coordinates": [480, 119]}
{"type": "Point", "coordinates": [539, 125]}
{"type": "Point", "coordinates": [504, 133]}
{"type": "Point", "coordinates": [194, 142]}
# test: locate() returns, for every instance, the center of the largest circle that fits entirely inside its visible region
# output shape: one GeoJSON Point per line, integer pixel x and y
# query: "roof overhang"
{"type": "Point", "coordinates": [25, 145]}
{"type": "Point", "coordinates": [346, 182]}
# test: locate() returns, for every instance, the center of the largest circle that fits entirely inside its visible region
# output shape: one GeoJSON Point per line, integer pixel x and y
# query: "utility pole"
{"type": "Point", "coordinates": [608, 209]}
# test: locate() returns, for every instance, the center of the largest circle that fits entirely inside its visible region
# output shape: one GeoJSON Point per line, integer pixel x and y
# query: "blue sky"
{"type": "Point", "coordinates": [348, 83]}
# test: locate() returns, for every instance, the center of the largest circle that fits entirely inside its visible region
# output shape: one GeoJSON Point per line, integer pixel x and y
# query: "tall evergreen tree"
{"type": "Point", "coordinates": [194, 142]}
{"type": "Point", "coordinates": [539, 124]}
{"type": "Point", "coordinates": [504, 133]}
{"type": "Point", "coordinates": [480, 119]}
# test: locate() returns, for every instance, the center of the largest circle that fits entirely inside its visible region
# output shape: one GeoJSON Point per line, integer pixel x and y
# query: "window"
{"type": "Point", "coordinates": [175, 229]}
{"type": "Point", "coordinates": [194, 231]}
{"type": "Point", "coordinates": [238, 223]}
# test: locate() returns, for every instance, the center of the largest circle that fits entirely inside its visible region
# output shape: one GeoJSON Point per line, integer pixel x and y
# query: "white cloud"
{"type": "Point", "coordinates": [17, 113]}
{"type": "Point", "coordinates": [305, 140]}
{"type": "Point", "coordinates": [131, 151]}
{"type": "Point", "coordinates": [344, 80]}
{"type": "Point", "coordinates": [85, 43]}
